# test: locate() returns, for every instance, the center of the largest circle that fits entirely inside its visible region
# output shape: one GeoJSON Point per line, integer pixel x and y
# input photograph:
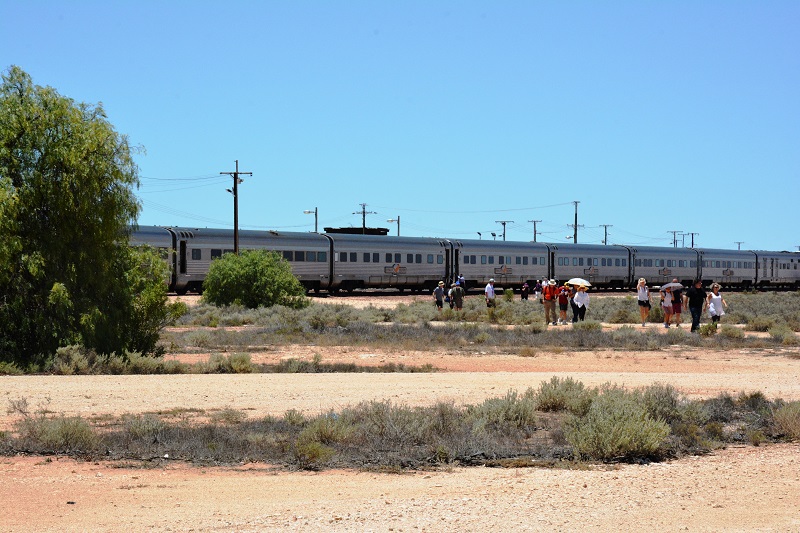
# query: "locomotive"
{"type": "Point", "coordinates": [335, 262]}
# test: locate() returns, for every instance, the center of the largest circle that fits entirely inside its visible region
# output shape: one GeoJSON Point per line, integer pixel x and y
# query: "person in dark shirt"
{"type": "Point", "coordinates": [695, 299]}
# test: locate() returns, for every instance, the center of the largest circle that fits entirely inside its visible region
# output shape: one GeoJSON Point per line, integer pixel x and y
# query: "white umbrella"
{"type": "Point", "coordinates": [579, 281]}
{"type": "Point", "coordinates": [672, 286]}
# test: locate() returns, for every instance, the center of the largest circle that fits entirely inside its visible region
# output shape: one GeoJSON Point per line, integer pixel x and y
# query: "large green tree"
{"type": "Point", "coordinates": [67, 275]}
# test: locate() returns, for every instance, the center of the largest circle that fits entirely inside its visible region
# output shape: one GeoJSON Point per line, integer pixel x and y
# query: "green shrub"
{"type": "Point", "coordinates": [241, 363]}
{"type": "Point", "coordinates": [661, 401]}
{"type": "Point", "coordinates": [511, 410]}
{"type": "Point", "coordinates": [58, 434]}
{"type": "Point", "coordinates": [312, 455]}
{"type": "Point", "coordinates": [564, 394]}
{"type": "Point", "coordinates": [254, 278]}
{"type": "Point", "coordinates": [143, 427]}
{"type": "Point", "coordinates": [787, 420]}
{"type": "Point", "coordinates": [708, 330]}
{"type": "Point", "coordinates": [587, 325]}
{"type": "Point", "coordinates": [617, 428]}
{"type": "Point", "coordinates": [731, 332]}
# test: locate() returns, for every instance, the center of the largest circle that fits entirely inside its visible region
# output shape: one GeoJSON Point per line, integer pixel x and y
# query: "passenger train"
{"type": "Point", "coordinates": [344, 262]}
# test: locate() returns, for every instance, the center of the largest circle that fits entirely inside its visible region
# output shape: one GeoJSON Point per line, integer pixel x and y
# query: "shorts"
{"type": "Point", "coordinates": [644, 303]}
{"type": "Point", "coordinates": [490, 302]}
{"type": "Point", "coordinates": [562, 307]}
{"type": "Point", "coordinates": [439, 304]}
{"type": "Point", "coordinates": [676, 308]}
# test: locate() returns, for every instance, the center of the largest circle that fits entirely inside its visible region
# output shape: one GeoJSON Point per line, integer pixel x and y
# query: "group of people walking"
{"type": "Point", "coordinates": [548, 292]}
{"type": "Point", "coordinates": [673, 300]}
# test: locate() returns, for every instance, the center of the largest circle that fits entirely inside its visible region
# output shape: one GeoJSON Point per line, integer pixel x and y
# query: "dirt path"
{"type": "Point", "coordinates": [738, 489]}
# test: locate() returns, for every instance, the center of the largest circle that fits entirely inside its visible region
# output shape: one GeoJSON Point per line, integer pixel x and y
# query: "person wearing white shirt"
{"type": "Point", "coordinates": [489, 293]}
{"type": "Point", "coordinates": [581, 300]}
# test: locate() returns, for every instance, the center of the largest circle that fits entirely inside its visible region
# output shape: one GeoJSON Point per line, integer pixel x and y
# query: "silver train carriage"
{"type": "Point", "coordinates": [333, 261]}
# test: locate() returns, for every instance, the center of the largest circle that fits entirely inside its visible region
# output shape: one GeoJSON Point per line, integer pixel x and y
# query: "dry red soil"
{"type": "Point", "coordinates": [738, 489]}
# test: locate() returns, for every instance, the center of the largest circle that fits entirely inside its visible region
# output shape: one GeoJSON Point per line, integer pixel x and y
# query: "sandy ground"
{"type": "Point", "coordinates": [737, 489]}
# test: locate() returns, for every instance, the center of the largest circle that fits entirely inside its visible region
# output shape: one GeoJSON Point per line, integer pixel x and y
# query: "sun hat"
{"type": "Point", "coordinates": [551, 282]}
{"type": "Point", "coordinates": [642, 280]}
{"type": "Point", "coordinates": [491, 280]}
{"type": "Point", "coordinates": [441, 283]}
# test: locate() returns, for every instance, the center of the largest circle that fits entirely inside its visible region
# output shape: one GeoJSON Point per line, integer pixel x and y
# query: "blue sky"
{"type": "Point", "coordinates": [655, 116]}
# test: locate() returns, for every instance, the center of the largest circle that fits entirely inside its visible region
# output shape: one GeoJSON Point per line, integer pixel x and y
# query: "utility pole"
{"type": "Point", "coordinates": [575, 226]}
{"type": "Point", "coordinates": [692, 234]}
{"type": "Point", "coordinates": [316, 217]}
{"type": "Point", "coordinates": [534, 229]}
{"type": "Point", "coordinates": [503, 222]}
{"type": "Point", "coordinates": [605, 232]}
{"type": "Point", "coordinates": [235, 192]}
{"type": "Point", "coordinates": [398, 223]}
{"type": "Point", "coordinates": [674, 237]}
{"type": "Point", "coordinates": [364, 214]}
{"type": "Point", "coordinates": [739, 244]}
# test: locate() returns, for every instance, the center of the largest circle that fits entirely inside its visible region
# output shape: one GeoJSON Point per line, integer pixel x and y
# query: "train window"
{"type": "Point", "coordinates": [603, 262]}
{"type": "Point", "coordinates": [617, 262]}
{"type": "Point", "coordinates": [717, 264]}
{"type": "Point", "coordinates": [541, 261]}
{"type": "Point", "coordinates": [501, 259]}
{"type": "Point", "coordinates": [418, 258]}
{"type": "Point", "coordinates": [474, 259]}
{"type": "Point", "coordinates": [322, 257]}
{"type": "Point", "coordinates": [574, 261]}
{"type": "Point", "coordinates": [483, 259]}
{"type": "Point", "coordinates": [439, 259]}
{"type": "Point", "coordinates": [215, 253]}
{"type": "Point", "coordinates": [388, 257]}
{"type": "Point", "coordinates": [397, 258]}
{"type": "Point", "coordinates": [525, 260]}
{"type": "Point", "coordinates": [409, 258]}
{"type": "Point", "coordinates": [491, 259]}
{"type": "Point", "coordinates": [287, 254]}
{"type": "Point", "coordinates": [299, 256]}
{"type": "Point", "coordinates": [376, 257]}
{"type": "Point", "coordinates": [197, 254]}
{"type": "Point", "coordinates": [533, 260]}
{"type": "Point", "coordinates": [594, 261]}
{"type": "Point", "coordinates": [430, 259]}
{"type": "Point", "coordinates": [366, 257]}
{"type": "Point", "coordinates": [311, 257]}
{"type": "Point", "coordinates": [343, 257]}
{"type": "Point", "coordinates": [353, 257]}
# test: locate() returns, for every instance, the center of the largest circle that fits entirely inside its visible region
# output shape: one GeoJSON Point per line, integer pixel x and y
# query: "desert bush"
{"type": "Point", "coordinates": [661, 401]}
{"type": "Point", "coordinates": [227, 416]}
{"type": "Point", "coordinates": [564, 394]}
{"type": "Point", "coordinates": [617, 428]}
{"type": "Point", "coordinates": [759, 323]}
{"type": "Point", "coordinates": [70, 435]}
{"type": "Point", "coordinates": [145, 427]}
{"type": "Point", "coordinates": [312, 455]}
{"type": "Point", "coordinates": [708, 330]}
{"type": "Point", "coordinates": [10, 369]}
{"type": "Point", "coordinates": [787, 420]}
{"type": "Point", "coordinates": [587, 325]}
{"type": "Point", "coordinates": [512, 410]}
{"type": "Point", "coordinates": [731, 332]}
